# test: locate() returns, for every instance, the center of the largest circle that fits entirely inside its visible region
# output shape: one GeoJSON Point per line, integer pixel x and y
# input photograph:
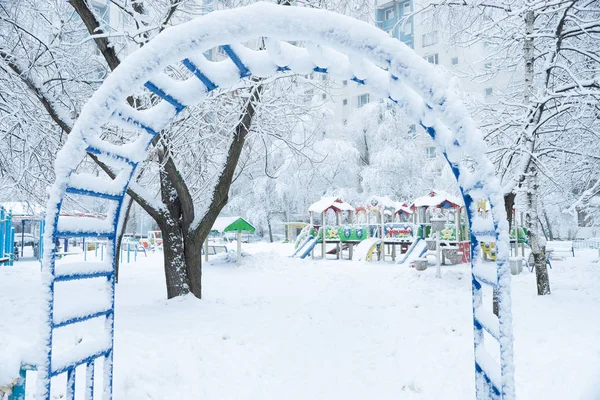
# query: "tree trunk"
{"type": "Point", "coordinates": [128, 202]}
{"type": "Point", "coordinates": [182, 242]}
{"type": "Point", "coordinates": [537, 243]}
{"type": "Point", "coordinates": [270, 229]}
{"type": "Point", "coordinates": [176, 271]}
{"type": "Point", "coordinates": [509, 202]}
{"type": "Point", "coordinates": [548, 226]}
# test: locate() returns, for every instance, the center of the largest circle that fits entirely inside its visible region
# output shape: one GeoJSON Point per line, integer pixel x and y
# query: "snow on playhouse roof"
{"type": "Point", "coordinates": [403, 208]}
{"type": "Point", "coordinates": [438, 198]}
{"type": "Point", "coordinates": [232, 224]}
{"type": "Point", "coordinates": [330, 202]}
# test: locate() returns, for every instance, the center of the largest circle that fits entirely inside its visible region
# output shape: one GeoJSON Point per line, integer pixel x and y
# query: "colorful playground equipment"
{"type": "Point", "coordinates": [382, 64]}
{"type": "Point", "coordinates": [381, 228]}
{"type": "Point", "coordinates": [7, 242]}
{"type": "Point", "coordinates": [518, 234]}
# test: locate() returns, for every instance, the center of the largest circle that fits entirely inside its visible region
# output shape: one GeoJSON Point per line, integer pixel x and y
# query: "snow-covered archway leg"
{"type": "Point", "coordinates": [352, 50]}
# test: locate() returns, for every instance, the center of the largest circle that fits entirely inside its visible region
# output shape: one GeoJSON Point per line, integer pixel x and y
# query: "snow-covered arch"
{"type": "Point", "coordinates": [341, 46]}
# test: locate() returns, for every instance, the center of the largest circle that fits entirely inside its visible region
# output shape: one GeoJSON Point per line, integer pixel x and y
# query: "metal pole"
{"type": "Point", "coordinates": [22, 237]}
{"type": "Point", "coordinates": [438, 270]}
{"type": "Point", "coordinates": [239, 247]}
{"type": "Point", "coordinates": [324, 244]}
{"type": "Point", "coordinates": [206, 250]}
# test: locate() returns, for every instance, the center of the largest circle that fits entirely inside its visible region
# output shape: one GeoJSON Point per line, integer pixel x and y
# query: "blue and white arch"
{"type": "Point", "coordinates": [347, 49]}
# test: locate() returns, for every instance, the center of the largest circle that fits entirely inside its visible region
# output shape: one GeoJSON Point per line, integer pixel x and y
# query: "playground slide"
{"type": "Point", "coordinates": [416, 250]}
{"type": "Point", "coordinates": [307, 248]}
{"type": "Point", "coordinates": [303, 243]}
{"type": "Point", "coordinates": [365, 249]}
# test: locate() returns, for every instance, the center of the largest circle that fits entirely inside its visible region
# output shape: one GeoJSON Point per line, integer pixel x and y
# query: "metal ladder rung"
{"type": "Point", "coordinates": [74, 320]}
{"type": "Point", "coordinates": [244, 71]}
{"type": "Point", "coordinates": [99, 152]}
{"type": "Point", "coordinates": [210, 85]}
{"type": "Point", "coordinates": [85, 234]}
{"type": "Point", "coordinates": [103, 351]}
{"type": "Point", "coordinates": [92, 193]}
{"type": "Point", "coordinates": [165, 96]}
{"type": "Point", "coordinates": [85, 275]}
{"type": "Point", "coordinates": [484, 364]}
{"type": "Point", "coordinates": [86, 184]}
{"type": "Point", "coordinates": [479, 272]}
{"type": "Point", "coordinates": [488, 321]}
{"type": "Point", "coordinates": [85, 227]}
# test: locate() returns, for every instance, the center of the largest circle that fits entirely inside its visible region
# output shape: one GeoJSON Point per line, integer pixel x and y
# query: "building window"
{"type": "Point", "coordinates": [454, 60]}
{"type": "Point", "coordinates": [489, 91]}
{"type": "Point", "coordinates": [407, 27]}
{"type": "Point", "coordinates": [430, 38]}
{"type": "Point", "coordinates": [323, 77]}
{"type": "Point", "coordinates": [431, 152]}
{"type": "Point", "coordinates": [324, 96]}
{"type": "Point", "coordinates": [406, 8]}
{"type": "Point", "coordinates": [412, 131]}
{"type": "Point", "coordinates": [433, 58]}
{"type": "Point", "coordinates": [390, 13]}
{"type": "Point", "coordinates": [345, 122]}
{"type": "Point", "coordinates": [344, 82]}
{"type": "Point", "coordinates": [363, 99]}
{"type": "Point", "coordinates": [345, 102]}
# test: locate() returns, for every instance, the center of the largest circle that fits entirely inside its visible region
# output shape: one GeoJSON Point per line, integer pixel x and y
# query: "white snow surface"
{"type": "Point", "coordinates": [278, 327]}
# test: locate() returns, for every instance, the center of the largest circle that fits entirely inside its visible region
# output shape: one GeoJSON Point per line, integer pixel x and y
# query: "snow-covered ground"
{"type": "Point", "coordinates": [285, 328]}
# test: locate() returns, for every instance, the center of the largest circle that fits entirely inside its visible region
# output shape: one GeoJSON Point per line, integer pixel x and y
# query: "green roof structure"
{"type": "Point", "coordinates": [232, 224]}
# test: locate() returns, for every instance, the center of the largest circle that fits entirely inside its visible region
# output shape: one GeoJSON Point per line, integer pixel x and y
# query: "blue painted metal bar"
{"type": "Point", "coordinates": [210, 86]}
{"type": "Point", "coordinates": [359, 81]}
{"type": "Point", "coordinates": [321, 70]}
{"type": "Point", "coordinates": [89, 380]}
{"type": "Point", "coordinates": [283, 69]}
{"type": "Point", "coordinates": [91, 193]}
{"type": "Point", "coordinates": [76, 320]}
{"type": "Point", "coordinates": [74, 234]}
{"type": "Point", "coordinates": [179, 107]}
{"type": "Point", "coordinates": [244, 71]}
{"type": "Point", "coordinates": [62, 370]}
{"type": "Point", "coordinates": [75, 277]}
{"type": "Point", "coordinates": [93, 150]}
{"type": "Point", "coordinates": [71, 384]}
{"type": "Point", "coordinates": [18, 391]}
{"type": "Point", "coordinates": [137, 123]}
{"type": "Point", "coordinates": [488, 381]}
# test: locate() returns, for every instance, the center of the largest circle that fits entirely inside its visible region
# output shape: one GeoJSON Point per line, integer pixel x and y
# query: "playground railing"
{"type": "Point", "coordinates": [586, 244]}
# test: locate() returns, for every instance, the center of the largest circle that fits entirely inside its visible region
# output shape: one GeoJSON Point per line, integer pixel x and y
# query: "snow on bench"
{"type": "Point", "coordinates": [559, 249]}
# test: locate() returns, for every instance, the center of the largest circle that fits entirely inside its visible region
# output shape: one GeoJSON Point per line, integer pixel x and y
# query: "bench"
{"type": "Point", "coordinates": [215, 249]}
{"type": "Point", "coordinates": [61, 254]}
{"type": "Point", "coordinates": [560, 249]}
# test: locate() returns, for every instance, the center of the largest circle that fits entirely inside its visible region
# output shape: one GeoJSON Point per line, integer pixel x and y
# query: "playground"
{"type": "Point", "coordinates": [369, 319]}
{"type": "Point", "coordinates": [278, 327]}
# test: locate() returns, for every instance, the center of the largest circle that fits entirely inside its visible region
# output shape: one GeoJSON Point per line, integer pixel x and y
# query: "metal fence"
{"type": "Point", "coordinates": [586, 244]}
